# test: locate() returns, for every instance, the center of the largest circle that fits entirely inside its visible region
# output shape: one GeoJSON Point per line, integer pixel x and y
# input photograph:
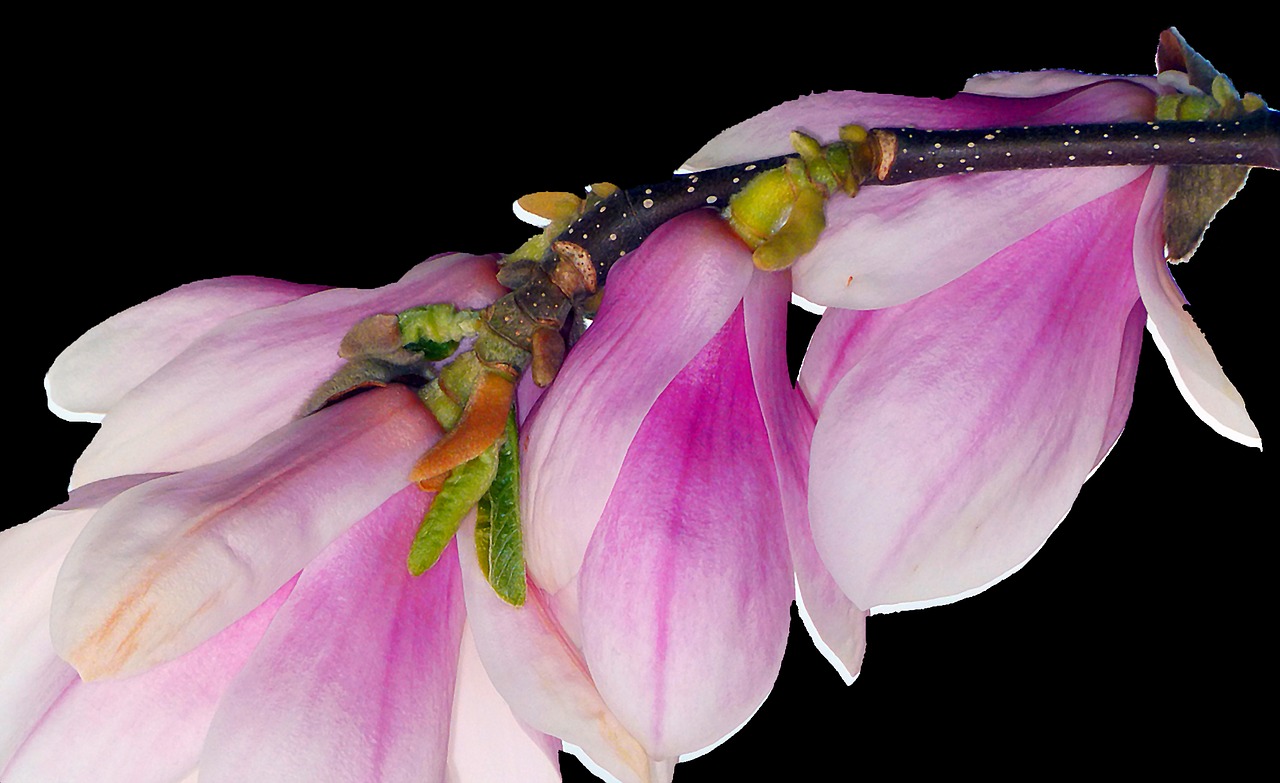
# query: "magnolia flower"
{"type": "Point", "coordinates": [982, 359]}
{"type": "Point", "coordinates": [659, 574]}
{"type": "Point", "coordinates": [366, 179]}
{"type": "Point", "coordinates": [247, 613]}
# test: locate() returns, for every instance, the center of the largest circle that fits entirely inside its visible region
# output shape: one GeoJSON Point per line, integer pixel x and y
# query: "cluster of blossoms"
{"type": "Point", "coordinates": [224, 594]}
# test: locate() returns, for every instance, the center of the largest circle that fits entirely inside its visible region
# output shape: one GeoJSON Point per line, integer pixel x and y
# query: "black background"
{"type": "Point", "coordinates": [325, 150]}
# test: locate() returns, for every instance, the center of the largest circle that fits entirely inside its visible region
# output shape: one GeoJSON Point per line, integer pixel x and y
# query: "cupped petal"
{"type": "Point", "coordinates": [95, 371]}
{"type": "Point", "coordinates": [662, 304]}
{"type": "Point", "coordinates": [963, 423]}
{"type": "Point", "coordinates": [252, 375]}
{"type": "Point", "coordinates": [1191, 361]}
{"type": "Point", "coordinates": [890, 244]}
{"type": "Point", "coordinates": [168, 564]}
{"type": "Point", "coordinates": [354, 680]}
{"type": "Point", "coordinates": [690, 559]}
{"type": "Point", "coordinates": [145, 729]}
{"type": "Point", "coordinates": [540, 673]}
{"type": "Point", "coordinates": [487, 741]}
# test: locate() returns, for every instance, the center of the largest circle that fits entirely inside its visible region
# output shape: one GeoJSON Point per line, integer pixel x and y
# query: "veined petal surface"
{"type": "Point", "coordinates": [251, 376]}
{"type": "Point", "coordinates": [890, 244]}
{"type": "Point", "coordinates": [354, 680]}
{"type": "Point", "coordinates": [168, 564]}
{"type": "Point", "coordinates": [95, 371]}
{"type": "Point", "coordinates": [955, 431]}
{"type": "Point", "coordinates": [662, 304]}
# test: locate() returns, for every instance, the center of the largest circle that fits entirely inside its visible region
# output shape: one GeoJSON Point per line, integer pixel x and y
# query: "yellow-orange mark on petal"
{"type": "Point", "coordinates": [93, 659]}
{"type": "Point", "coordinates": [483, 421]}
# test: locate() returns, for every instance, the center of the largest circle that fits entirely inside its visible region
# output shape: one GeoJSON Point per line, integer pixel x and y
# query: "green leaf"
{"type": "Point", "coordinates": [463, 489]}
{"type": "Point", "coordinates": [499, 541]}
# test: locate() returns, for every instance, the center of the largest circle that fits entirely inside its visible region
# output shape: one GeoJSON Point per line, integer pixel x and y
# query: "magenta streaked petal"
{"type": "Point", "coordinates": [95, 371]}
{"type": "Point", "coordinates": [168, 564]}
{"type": "Point", "coordinates": [145, 729]}
{"type": "Point", "coordinates": [354, 679]}
{"type": "Point", "coordinates": [689, 561]}
{"type": "Point", "coordinates": [251, 375]}
{"type": "Point", "coordinates": [662, 304]}
{"type": "Point", "coordinates": [891, 244]}
{"type": "Point", "coordinates": [540, 673]}
{"type": "Point", "coordinates": [1191, 361]}
{"type": "Point", "coordinates": [968, 418]}
{"type": "Point", "coordinates": [488, 742]}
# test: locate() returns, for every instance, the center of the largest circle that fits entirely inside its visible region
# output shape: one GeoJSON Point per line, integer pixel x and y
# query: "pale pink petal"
{"type": "Point", "coordinates": [145, 729]}
{"type": "Point", "coordinates": [661, 305]}
{"type": "Point", "coordinates": [30, 555]}
{"type": "Point", "coordinates": [252, 375]}
{"type": "Point", "coordinates": [968, 419]}
{"type": "Point", "coordinates": [95, 371]}
{"type": "Point", "coordinates": [354, 679]}
{"type": "Point", "coordinates": [1033, 84]}
{"type": "Point", "coordinates": [487, 742]}
{"type": "Point", "coordinates": [837, 627]}
{"type": "Point", "coordinates": [540, 673]}
{"type": "Point", "coordinates": [686, 586]}
{"type": "Point", "coordinates": [1191, 361]}
{"type": "Point", "coordinates": [890, 244]}
{"type": "Point", "coordinates": [168, 564]}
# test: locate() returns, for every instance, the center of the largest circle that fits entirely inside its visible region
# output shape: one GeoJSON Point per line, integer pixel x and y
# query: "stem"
{"type": "Point", "coordinates": [623, 220]}
{"type": "Point", "coordinates": [910, 154]}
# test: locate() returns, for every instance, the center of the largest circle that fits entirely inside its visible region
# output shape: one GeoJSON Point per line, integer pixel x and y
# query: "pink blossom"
{"type": "Point", "coordinates": [982, 362]}
{"type": "Point", "coordinates": [246, 613]}
{"type": "Point", "coordinates": [655, 538]}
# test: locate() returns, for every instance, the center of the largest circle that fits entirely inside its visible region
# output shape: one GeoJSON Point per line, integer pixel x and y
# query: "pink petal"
{"type": "Point", "coordinates": [251, 375]}
{"type": "Point", "coordinates": [487, 742]}
{"type": "Point", "coordinates": [837, 627]}
{"type": "Point", "coordinates": [686, 585]}
{"type": "Point", "coordinates": [148, 728]}
{"type": "Point", "coordinates": [964, 422]}
{"type": "Point", "coordinates": [168, 564]}
{"type": "Point", "coordinates": [1033, 84]}
{"type": "Point", "coordinates": [540, 673]}
{"type": "Point", "coordinates": [354, 680]}
{"type": "Point", "coordinates": [95, 371]}
{"type": "Point", "coordinates": [30, 555]}
{"type": "Point", "coordinates": [1126, 373]}
{"type": "Point", "coordinates": [612, 377]}
{"type": "Point", "coordinates": [1191, 361]}
{"type": "Point", "coordinates": [891, 244]}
